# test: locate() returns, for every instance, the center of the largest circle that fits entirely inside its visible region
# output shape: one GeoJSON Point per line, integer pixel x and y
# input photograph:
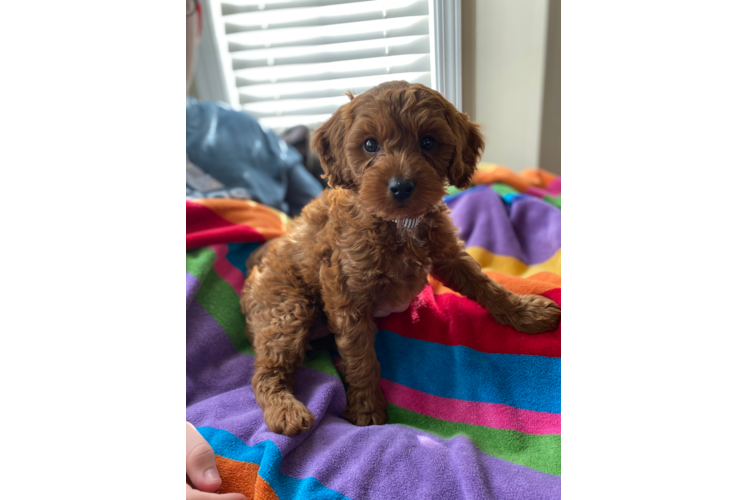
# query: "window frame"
{"type": "Point", "coordinates": [445, 39]}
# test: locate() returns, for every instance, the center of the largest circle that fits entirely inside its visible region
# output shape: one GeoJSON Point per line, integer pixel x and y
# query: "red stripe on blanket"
{"type": "Point", "coordinates": [201, 218]}
{"type": "Point", "coordinates": [235, 234]}
{"type": "Point", "coordinates": [205, 228]}
{"type": "Point", "coordinates": [452, 320]}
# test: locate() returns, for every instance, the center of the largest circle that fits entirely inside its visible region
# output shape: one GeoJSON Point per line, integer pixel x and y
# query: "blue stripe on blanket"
{"type": "Point", "coordinates": [238, 254]}
{"type": "Point", "coordinates": [268, 457]}
{"type": "Point", "coordinates": [458, 372]}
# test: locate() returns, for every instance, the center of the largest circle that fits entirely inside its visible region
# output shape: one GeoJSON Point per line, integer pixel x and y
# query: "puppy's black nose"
{"type": "Point", "coordinates": [401, 189]}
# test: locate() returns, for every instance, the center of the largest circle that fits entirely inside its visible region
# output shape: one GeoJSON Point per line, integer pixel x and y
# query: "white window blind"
{"type": "Point", "coordinates": [288, 62]}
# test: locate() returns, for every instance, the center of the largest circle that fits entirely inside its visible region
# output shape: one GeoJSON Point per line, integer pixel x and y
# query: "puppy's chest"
{"type": "Point", "coordinates": [408, 264]}
{"type": "Point", "coordinates": [395, 264]}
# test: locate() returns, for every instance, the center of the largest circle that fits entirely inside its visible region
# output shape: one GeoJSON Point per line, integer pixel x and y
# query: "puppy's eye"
{"type": "Point", "coordinates": [428, 143]}
{"type": "Point", "coordinates": [371, 146]}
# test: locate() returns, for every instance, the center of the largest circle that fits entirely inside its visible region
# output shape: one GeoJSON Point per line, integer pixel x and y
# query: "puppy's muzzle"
{"type": "Point", "coordinates": [401, 189]}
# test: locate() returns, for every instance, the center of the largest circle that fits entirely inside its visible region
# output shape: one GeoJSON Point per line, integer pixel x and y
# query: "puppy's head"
{"type": "Point", "coordinates": [398, 146]}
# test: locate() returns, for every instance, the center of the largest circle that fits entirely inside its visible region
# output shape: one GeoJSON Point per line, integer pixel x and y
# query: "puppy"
{"type": "Point", "coordinates": [364, 249]}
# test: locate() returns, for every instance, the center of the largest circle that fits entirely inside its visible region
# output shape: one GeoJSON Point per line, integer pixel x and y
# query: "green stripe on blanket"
{"type": "Point", "coordinates": [540, 452]}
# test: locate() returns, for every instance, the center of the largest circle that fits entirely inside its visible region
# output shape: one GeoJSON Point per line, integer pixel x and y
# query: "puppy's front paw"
{"type": "Point", "coordinates": [366, 407]}
{"type": "Point", "coordinates": [288, 416]}
{"type": "Point", "coordinates": [534, 314]}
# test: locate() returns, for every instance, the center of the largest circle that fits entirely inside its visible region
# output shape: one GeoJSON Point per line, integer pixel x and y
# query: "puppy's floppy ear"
{"type": "Point", "coordinates": [329, 141]}
{"type": "Point", "coordinates": [468, 150]}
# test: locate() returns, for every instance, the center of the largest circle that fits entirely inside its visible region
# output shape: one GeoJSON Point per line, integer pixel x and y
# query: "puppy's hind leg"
{"type": "Point", "coordinates": [280, 349]}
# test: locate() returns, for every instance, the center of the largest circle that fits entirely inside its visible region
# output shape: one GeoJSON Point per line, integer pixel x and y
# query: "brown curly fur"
{"type": "Point", "coordinates": [345, 262]}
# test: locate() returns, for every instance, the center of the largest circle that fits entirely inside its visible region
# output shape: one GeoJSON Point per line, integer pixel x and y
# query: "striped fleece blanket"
{"type": "Point", "coordinates": [475, 408]}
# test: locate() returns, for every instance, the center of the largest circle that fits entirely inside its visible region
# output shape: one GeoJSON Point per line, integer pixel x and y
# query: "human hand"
{"type": "Point", "coordinates": [202, 471]}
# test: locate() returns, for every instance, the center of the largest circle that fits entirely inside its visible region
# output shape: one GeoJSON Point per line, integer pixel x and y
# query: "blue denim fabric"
{"type": "Point", "coordinates": [233, 148]}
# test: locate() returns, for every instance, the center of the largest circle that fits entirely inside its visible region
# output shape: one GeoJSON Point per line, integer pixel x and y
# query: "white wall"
{"type": "Point", "coordinates": [503, 49]}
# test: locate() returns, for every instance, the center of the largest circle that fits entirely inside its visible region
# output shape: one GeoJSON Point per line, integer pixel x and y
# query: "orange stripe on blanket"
{"type": "Point", "coordinates": [503, 175]}
{"type": "Point", "coordinates": [267, 221]}
{"type": "Point", "coordinates": [538, 177]}
{"type": "Point", "coordinates": [536, 284]}
{"type": "Point", "coordinates": [243, 477]}
{"type": "Point", "coordinates": [521, 182]}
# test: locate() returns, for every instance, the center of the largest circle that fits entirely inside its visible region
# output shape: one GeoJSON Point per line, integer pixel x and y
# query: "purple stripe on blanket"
{"type": "Point", "coordinates": [530, 230]}
{"type": "Point", "coordinates": [567, 232]}
{"type": "Point", "coordinates": [391, 461]}
{"type": "Point", "coordinates": [394, 461]}
{"type": "Point", "coordinates": [193, 285]}
{"type": "Point", "coordinates": [213, 365]}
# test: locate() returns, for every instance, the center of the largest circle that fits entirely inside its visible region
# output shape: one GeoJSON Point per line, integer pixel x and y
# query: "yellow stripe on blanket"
{"type": "Point", "coordinates": [512, 266]}
{"type": "Point", "coordinates": [485, 166]}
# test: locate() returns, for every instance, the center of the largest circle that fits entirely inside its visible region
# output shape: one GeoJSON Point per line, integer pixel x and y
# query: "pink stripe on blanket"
{"type": "Point", "coordinates": [495, 415]}
{"type": "Point", "coordinates": [536, 191]}
{"type": "Point", "coordinates": [563, 185]}
{"type": "Point", "coordinates": [225, 270]}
